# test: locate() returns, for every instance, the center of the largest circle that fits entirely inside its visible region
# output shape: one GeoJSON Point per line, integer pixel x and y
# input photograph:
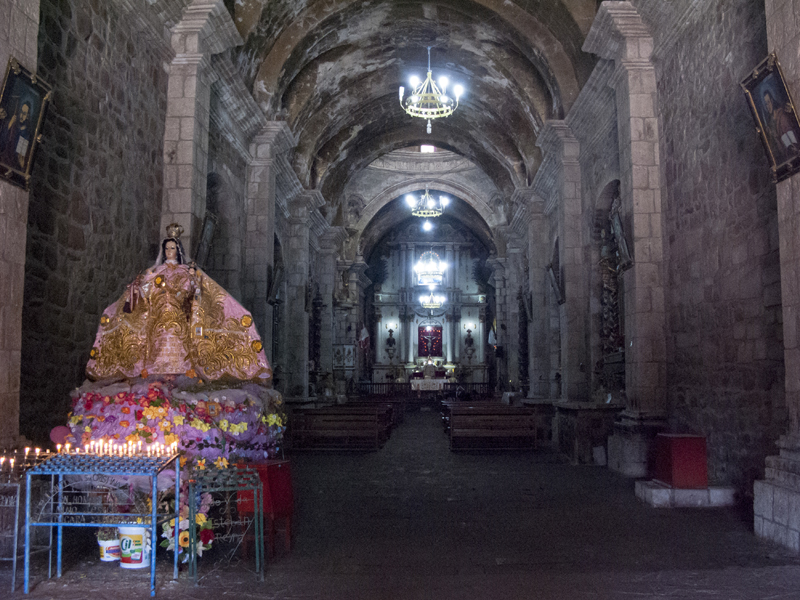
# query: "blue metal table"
{"type": "Point", "coordinates": [66, 467]}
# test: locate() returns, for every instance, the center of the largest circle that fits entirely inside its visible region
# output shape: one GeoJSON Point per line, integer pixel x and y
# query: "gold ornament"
{"type": "Point", "coordinates": [174, 230]}
{"type": "Point", "coordinates": [93, 353]}
{"type": "Point", "coordinates": [256, 346]}
{"type": "Point", "coordinates": [104, 320]}
{"type": "Point", "coordinates": [247, 320]}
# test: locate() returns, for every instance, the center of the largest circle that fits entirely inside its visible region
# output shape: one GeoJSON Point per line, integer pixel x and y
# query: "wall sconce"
{"type": "Point", "coordinates": [392, 325]}
{"type": "Point", "coordinates": [470, 326]}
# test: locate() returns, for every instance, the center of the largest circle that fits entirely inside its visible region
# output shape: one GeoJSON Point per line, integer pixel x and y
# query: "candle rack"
{"type": "Point", "coordinates": [68, 469]}
{"type": "Point", "coordinates": [246, 483]}
{"type": "Point", "coordinates": [13, 465]}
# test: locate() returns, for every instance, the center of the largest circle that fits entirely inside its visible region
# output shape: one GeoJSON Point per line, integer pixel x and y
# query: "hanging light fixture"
{"type": "Point", "coordinates": [426, 205]}
{"type": "Point", "coordinates": [429, 101]}
{"type": "Point", "coordinates": [432, 301]}
{"type": "Point", "coordinates": [430, 269]}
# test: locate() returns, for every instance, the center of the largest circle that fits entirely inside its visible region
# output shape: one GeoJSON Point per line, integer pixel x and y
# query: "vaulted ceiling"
{"type": "Point", "coordinates": [332, 69]}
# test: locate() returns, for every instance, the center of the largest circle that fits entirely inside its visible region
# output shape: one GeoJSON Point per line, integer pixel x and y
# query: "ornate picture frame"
{"type": "Point", "coordinates": [23, 104]}
{"type": "Point", "coordinates": [773, 111]}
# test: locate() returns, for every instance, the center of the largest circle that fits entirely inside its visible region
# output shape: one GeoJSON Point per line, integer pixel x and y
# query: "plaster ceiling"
{"type": "Point", "coordinates": [332, 68]}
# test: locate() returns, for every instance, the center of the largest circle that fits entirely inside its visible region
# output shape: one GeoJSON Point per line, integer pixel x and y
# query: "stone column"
{"type": "Point", "coordinates": [539, 357]}
{"type": "Point", "coordinates": [18, 34]}
{"type": "Point", "coordinates": [328, 273]}
{"type": "Point", "coordinates": [556, 137]}
{"type": "Point", "coordinates": [206, 28]}
{"type": "Point", "coordinates": [296, 294]}
{"type": "Point", "coordinates": [776, 504]}
{"type": "Point", "coordinates": [619, 34]}
{"type": "Point", "coordinates": [498, 266]}
{"type": "Point", "coordinates": [259, 243]}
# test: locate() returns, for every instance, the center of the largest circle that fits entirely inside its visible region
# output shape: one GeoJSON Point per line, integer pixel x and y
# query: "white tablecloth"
{"type": "Point", "coordinates": [427, 385]}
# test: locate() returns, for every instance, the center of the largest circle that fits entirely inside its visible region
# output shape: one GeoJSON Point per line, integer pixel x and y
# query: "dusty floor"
{"type": "Point", "coordinates": [415, 521]}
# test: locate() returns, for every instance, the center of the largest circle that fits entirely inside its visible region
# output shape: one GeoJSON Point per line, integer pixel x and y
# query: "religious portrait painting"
{"type": "Point", "coordinates": [774, 113]}
{"type": "Point", "coordinates": [23, 104]}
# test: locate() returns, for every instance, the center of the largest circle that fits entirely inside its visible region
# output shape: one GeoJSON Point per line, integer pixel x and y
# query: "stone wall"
{"type": "Point", "coordinates": [225, 198]}
{"type": "Point", "coordinates": [18, 31]}
{"type": "Point", "coordinates": [96, 193]}
{"type": "Point", "coordinates": [725, 373]}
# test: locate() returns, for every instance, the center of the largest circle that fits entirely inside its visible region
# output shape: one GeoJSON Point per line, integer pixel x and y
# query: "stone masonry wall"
{"type": "Point", "coordinates": [725, 371]}
{"type": "Point", "coordinates": [226, 261]}
{"type": "Point", "coordinates": [96, 195]}
{"type": "Point", "coordinates": [18, 31]}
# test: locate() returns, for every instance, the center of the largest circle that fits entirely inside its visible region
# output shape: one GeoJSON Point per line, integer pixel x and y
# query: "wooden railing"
{"type": "Point", "coordinates": [400, 390]}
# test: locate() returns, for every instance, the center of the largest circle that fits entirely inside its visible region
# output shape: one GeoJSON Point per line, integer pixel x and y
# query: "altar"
{"type": "Point", "coordinates": [427, 385]}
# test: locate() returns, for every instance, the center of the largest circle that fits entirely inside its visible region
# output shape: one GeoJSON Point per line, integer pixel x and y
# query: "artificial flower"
{"type": "Point", "coordinates": [206, 536]}
{"type": "Point", "coordinates": [201, 463]}
{"type": "Point", "coordinates": [178, 420]}
{"type": "Point", "coordinates": [221, 462]}
{"type": "Point", "coordinates": [200, 519]}
{"type": "Point", "coordinates": [183, 540]}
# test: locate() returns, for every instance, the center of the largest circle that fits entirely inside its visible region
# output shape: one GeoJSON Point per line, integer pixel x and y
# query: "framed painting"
{"type": "Point", "coordinates": [23, 105]}
{"type": "Point", "coordinates": [774, 113]}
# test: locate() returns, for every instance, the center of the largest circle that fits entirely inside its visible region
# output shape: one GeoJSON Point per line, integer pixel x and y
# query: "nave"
{"type": "Point", "coordinates": [417, 521]}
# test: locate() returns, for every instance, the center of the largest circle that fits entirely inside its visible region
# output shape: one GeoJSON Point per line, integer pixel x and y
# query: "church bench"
{"type": "Point", "coordinates": [447, 405]}
{"type": "Point", "coordinates": [397, 407]}
{"type": "Point", "coordinates": [495, 427]}
{"type": "Point", "coordinates": [340, 427]}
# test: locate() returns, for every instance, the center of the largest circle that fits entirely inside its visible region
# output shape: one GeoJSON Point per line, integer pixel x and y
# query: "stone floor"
{"type": "Point", "coordinates": [415, 521]}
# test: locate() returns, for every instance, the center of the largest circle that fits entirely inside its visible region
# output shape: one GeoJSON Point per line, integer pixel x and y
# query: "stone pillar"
{"type": "Point", "coordinates": [18, 38]}
{"type": "Point", "coordinates": [776, 503]}
{"type": "Point", "coordinates": [328, 273]}
{"type": "Point", "coordinates": [539, 357]}
{"type": "Point", "coordinates": [619, 34]}
{"type": "Point", "coordinates": [206, 28]}
{"type": "Point", "coordinates": [556, 137]}
{"type": "Point", "coordinates": [259, 243]}
{"type": "Point", "coordinates": [498, 266]}
{"type": "Point", "coordinates": [296, 295]}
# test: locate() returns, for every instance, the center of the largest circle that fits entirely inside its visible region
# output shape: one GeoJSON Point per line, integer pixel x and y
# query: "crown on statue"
{"type": "Point", "coordinates": [174, 230]}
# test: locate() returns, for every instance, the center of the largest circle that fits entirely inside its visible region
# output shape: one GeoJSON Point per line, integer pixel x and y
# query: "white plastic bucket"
{"type": "Point", "coordinates": [109, 550]}
{"type": "Point", "coordinates": [134, 547]}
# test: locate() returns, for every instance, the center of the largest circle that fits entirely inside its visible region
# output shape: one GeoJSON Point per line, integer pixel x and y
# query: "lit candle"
{"type": "Point", "coordinates": [37, 452]}
{"type": "Point", "coordinates": [26, 452]}
{"type": "Point", "coordinates": [66, 447]}
{"type": "Point", "coordinates": [11, 462]}
{"type": "Point", "coordinates": [58, 447]}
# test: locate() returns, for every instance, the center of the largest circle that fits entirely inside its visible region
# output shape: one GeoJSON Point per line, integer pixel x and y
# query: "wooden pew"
{"type": "Point", "coordinates": [340, 427]}
{"type": "Point", "coordinates": [396, 406]}
{"type": "Point", "coordinates": [492, 426]}
{"type": "Point", "coordinates": [446, 405]}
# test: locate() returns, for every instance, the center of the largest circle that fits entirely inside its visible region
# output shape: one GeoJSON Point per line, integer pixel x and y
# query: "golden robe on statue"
{"type": "Point", "coordinates": [174, 319]}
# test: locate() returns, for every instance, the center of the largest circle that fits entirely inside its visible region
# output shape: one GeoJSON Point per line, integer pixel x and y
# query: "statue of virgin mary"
{"type": "Point", "coordinates": [173, 319]}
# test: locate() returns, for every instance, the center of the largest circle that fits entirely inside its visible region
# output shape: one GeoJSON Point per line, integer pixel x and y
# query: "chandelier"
{"type": "Point", "coordinates": [431, 301]}
{"type": "Point", "coordinates": [426, 205]}
{"type": "Point", "coordinates": [430, 269]}
{"type": "Point", "coordinates": [427, 100]}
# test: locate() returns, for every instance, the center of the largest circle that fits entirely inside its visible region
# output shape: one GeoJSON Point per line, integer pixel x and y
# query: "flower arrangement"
{"type": "Point", "coordinates": [204, 527]}
{"type": "Point", "coordinates": [239, 423]}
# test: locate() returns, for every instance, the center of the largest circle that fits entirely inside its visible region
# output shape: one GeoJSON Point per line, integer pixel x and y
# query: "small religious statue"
{"type": "Point", "coordinates": [469, 346]}
{"type": "Point", "coordinates": [390, 346]}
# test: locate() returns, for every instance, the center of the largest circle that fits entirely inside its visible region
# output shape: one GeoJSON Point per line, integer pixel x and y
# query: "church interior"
{"type": "Point", "coordinates": [593, 218]}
